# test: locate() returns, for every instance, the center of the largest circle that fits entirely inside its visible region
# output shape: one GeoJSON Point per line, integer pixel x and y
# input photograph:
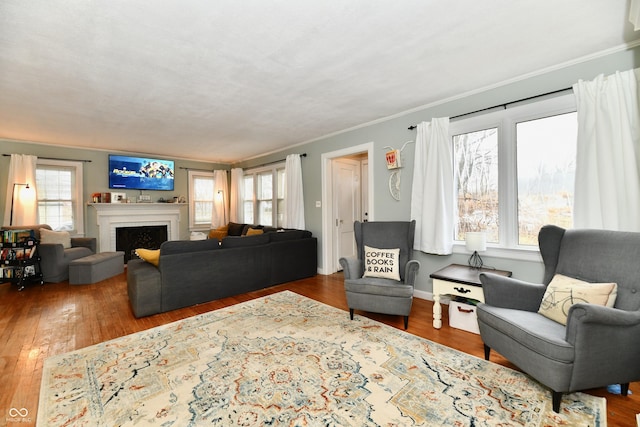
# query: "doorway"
{"type": "Point", "coordinates": [347, 196]}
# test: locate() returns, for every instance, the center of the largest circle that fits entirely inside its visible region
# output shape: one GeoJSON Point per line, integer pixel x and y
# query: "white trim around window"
{"type": "Point", "coordinates": [77, 191]}
{"type": "Point", "coordinates": [192, 176]}
{"type": "Point", "coordinates": [505, 121]}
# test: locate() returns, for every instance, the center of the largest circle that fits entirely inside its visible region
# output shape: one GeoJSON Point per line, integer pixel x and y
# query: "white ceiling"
{"type": "Point", "coordinates": [226, 80]}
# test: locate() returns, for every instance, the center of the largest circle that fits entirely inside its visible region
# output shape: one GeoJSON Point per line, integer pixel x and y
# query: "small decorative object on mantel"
{"type": "Point", "coordinates": [394, 164]}
{"type": "Point", "coordinates": [118, 198]}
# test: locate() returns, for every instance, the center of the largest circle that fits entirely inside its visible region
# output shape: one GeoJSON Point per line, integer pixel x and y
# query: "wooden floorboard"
{"type": "Point", "coordinates": [43, 321]}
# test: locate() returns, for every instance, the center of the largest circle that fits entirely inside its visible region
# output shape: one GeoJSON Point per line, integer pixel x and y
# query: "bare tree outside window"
{"type": "Point", "coordinates": [476, 164]}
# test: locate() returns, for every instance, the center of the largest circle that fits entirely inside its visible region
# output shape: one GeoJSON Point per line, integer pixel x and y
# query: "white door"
{"type": "Point", "coordinates": [346, 203]}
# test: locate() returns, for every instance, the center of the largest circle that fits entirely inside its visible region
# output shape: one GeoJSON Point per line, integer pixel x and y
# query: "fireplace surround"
{"type": "Point", "coordinates": [110, 216]}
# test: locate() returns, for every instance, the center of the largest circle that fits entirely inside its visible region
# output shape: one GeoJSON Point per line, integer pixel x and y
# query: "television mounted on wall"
{"type": "Point", "coordinates": [140, 173]}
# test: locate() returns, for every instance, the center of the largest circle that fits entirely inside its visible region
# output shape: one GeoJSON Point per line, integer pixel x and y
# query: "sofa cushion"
{"type": "Point", "coordinates": [378, 287]}
{"type": "Point", "coordinates": [171, 247]}
{"type": "Point", "coordinates": [152, 256]}
{"type": "Point", "coordinates": [243, 241]}
{"type": "Point", "coordinates": [529, 329]}
{"type": "Point", "coordinates": [219, 233]}
{"type": "Point", "coordinates": [55, 237]}
{"type": "Point", "coordinates": [235, 229]}
{"type": "Point", "coordinates": [283, 235]}
{"type": "Point", "coordinates": [248, 227]}
{"type": "Point", "coordinates": [564, 291]}
{"type": "Point", "coordinates": [254, 231]}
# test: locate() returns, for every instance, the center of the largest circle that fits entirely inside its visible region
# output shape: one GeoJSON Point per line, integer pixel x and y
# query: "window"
{"type": "Point", "coordinates": [201, 199]}
{"type": "Point", "coordinates": [59, 192]}
{"type": "Point", "coordinates": [264, 196]}
{"type": "Point", "coordinates": [476, 168]}
{"type": "Point", "coordinates": [248, 201]}
{"type": "Point", "coordinates": [546, 164]}
{"type": "Point", "coordinates": [515, 171]}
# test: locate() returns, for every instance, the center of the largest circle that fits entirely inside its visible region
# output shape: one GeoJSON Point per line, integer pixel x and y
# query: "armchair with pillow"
{"type": "Point", "coordinates": [57, 249]}
{"type": "Point", "coordinates": [580, 328]}
{"type": "Point", "coordinates": [381, 279]}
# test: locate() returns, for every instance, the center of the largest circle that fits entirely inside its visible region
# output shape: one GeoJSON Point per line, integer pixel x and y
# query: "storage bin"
{"type": "Point", "coordinates": [463, 316]}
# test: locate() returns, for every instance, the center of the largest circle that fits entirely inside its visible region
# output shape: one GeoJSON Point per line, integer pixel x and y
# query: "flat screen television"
{"type": "Point", "coordinates": [140, 173]}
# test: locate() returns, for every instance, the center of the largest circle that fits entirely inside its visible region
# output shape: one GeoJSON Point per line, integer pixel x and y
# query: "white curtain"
{"type": "Point", "coordinates": [634, 14]}
{"type": "Point", "coordinates": [220, 211]}
{"type": "Point", "coordinates": [607, 189]}
{"type": "Point", "coordinates": [237, 196]}
{"type": "Point", "coordinates": [22, 170]}
{"type": "Point", "coordinates": [432, 190]}
{"type": "Point", "coordinates": [293, 195]}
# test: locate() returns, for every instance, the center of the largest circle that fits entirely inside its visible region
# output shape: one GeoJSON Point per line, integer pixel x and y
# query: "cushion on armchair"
{"type": "Point", "coordinates": [564, 291]}
{"type": "Point", "coordinates": [381, 263]}
{"type": "Point", "coordinates": [55, 237]}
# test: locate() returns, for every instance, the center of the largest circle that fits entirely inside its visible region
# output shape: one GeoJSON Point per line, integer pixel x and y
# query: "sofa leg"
{"type": "Point", "coordinates": [487, 352]}
{"type": "Point", "coordinates": [351, 313]}
{"type": "Point", "coordinates": [406, 322]}
{"type": "Point", "coordinates": [557, 398]}
{"type": "Point", "coordinates": [624, 389]}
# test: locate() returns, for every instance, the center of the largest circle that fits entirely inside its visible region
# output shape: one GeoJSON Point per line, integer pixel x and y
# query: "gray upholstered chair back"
{"type": "Point", "coordinates": [386, 235]}
{"type": "Point", "coordinates": [595, 256]}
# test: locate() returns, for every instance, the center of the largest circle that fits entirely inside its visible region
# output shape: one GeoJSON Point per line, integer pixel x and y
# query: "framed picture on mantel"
{"type": "Point", "coordinates": [118, 197]}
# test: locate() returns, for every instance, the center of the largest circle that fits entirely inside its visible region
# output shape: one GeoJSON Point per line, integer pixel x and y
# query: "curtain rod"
{"type": "Point", "coordinates": [504, 106]}
{"type": "Point", "coordinates": [56, 158]}
{"type": "Point", "coordinates": [195, 169]}
{"type": "Point", "coordinates": [275, 161]}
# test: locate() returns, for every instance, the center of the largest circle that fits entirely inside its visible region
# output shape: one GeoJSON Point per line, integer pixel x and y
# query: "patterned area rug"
{"type": "Point", "coordinates": [286, 360]}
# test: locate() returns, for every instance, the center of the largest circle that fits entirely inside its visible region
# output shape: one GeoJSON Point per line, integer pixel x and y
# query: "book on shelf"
{"type": "Point", "coordinates": [17, 236]}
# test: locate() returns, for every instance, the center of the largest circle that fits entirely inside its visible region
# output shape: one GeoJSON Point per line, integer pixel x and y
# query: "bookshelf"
{"type": "Point", "coordinates": [19, 259]}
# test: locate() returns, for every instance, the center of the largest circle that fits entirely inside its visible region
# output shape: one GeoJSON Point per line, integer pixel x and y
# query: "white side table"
{"type": "Point", "coordinates": [459, 280]}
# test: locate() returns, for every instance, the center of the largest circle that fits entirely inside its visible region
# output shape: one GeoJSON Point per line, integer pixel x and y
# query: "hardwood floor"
{"type": "Point", "coordinates": [42, 321]}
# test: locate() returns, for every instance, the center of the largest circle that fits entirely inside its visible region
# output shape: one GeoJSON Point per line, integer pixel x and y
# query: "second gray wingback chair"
{"type": "Point", "coordinates": [55, 259]}
{"type": "Point", "coordinates": [382, 295]}
{"type": "Point", "coordinates": [599, 345]}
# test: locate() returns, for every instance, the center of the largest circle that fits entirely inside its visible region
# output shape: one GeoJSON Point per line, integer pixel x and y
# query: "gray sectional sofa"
{"type": "Point", "coordinates": [194, 272]}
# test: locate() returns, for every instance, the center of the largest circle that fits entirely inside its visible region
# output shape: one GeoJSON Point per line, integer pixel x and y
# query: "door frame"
{"type": "Point", "coordinates": [327, 243]}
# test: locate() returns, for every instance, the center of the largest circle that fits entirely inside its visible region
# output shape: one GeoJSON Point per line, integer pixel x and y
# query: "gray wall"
{"type": "Point", "coordinates": [96, 178]}
{"type": "Point", "coordinates": [394, 132]}
{"type": "Point", "coordinates": [391, 132]}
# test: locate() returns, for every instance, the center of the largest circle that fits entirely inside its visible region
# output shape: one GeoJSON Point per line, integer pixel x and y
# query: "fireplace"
{"type": "Point", "coordinates": [128, 239]}
{"type": "Point", "coordinates": [111, 216]}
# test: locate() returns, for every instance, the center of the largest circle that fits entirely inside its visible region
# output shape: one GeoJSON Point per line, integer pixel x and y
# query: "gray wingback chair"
{"type": "Point", "coordinates": [55, 259]}
{"type": "Point", "coordinates": [599, 345]}
{"type": "Point", "coordinates": [381, 295]}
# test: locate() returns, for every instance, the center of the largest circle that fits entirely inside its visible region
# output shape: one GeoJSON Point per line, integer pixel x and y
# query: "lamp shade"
{"type": "Point", "coordinates": [476, 241]}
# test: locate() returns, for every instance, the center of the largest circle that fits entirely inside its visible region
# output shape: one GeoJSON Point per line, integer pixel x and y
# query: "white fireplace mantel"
{"type": "Point", "coordinates": [115, 215]}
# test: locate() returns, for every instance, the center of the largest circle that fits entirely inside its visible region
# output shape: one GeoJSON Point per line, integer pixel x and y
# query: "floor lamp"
{"type": "Point", "coordinates": [13, 193]}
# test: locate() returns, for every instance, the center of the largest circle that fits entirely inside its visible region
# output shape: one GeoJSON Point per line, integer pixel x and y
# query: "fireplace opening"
{"type": "Point", "coordinates": [128, 239]}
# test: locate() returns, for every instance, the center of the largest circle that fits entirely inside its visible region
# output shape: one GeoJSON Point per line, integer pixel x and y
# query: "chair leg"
{"type": "Point", "coordinates": [406, 322]}
{"type": "Point", "coordinates": [624, 389]}
{"type": "Point", "coordinates": [351, 313]}
{"type": "Point", "coordinates": [487, 352]}
{"type": "Point", "coordinates": [557, 398]}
